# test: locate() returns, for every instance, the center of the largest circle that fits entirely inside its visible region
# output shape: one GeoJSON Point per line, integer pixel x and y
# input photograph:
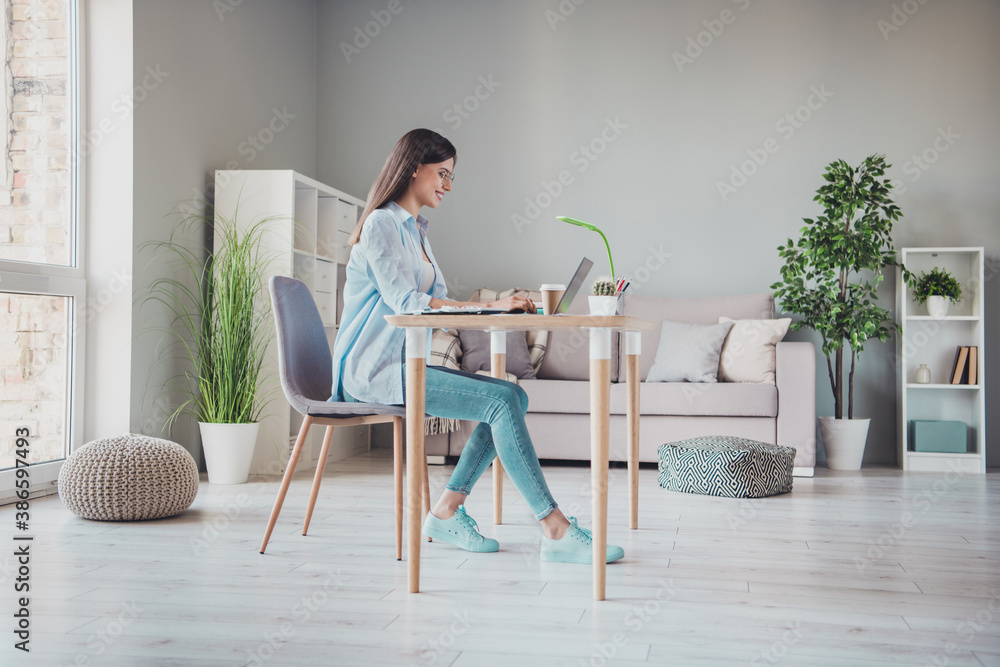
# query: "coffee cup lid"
{"type": "Point", "coordinates": [552, 286]}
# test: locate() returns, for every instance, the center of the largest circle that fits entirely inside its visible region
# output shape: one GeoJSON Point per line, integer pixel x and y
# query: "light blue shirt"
{"type": "Point", "coordinates": [384, 275]}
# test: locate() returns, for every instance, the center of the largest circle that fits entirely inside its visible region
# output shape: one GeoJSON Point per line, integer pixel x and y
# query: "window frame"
{"type": "Point", "coordinates": [56, 280]}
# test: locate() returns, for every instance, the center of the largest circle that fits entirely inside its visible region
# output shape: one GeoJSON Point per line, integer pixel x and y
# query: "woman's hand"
{"type": "Point", "coordinates": [514, 304]}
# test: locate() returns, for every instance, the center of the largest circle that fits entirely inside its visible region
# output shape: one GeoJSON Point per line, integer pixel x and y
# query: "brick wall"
{"type": "Point", "coordinates": [34, 206]}
{"type": "Point", "coordinates": [34, 221]}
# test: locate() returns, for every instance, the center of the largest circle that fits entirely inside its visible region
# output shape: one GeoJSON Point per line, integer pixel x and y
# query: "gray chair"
{"type": "Point", "coordinates": [306, 368]}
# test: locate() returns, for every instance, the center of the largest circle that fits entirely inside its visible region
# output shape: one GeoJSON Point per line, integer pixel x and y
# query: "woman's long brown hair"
{"type": "Point", "coordinates": [415, 148]}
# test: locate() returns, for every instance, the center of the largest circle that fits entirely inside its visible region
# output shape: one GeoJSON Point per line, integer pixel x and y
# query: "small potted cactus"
{"type": "Point", "coordinates": [604, 300]}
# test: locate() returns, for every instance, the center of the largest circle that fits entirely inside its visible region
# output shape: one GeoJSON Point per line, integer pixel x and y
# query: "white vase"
{"type": "Point", "coordinates": [937, 307]}
{"type": "Point", "coordinates": [923, 374]}
{"type": "Point", "coordinates": [228, 451]}
{"type": "Point", "coordinates": [844, 441]}
{"type": "Point", "coordinates": [603, 305]}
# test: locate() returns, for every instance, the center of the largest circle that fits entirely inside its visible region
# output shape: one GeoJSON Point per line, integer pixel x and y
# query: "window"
{"type": "Point", "coordinates": [42, 285]}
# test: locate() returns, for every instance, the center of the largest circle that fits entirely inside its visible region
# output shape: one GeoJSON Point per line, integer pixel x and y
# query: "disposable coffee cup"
{"type": "Point", "coordinates": [551, 293]}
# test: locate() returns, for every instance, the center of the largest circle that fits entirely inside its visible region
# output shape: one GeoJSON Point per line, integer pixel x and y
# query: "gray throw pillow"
{"type": "Point", "coordinates": [476, 353]}
{"type": "Point", "coordinates": [688, 352]}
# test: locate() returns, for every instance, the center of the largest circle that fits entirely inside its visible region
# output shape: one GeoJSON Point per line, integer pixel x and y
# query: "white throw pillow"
{"type": "Point", "coordinates": [748, 353]}
{"type": "Point", "coordinates": [688, 352]}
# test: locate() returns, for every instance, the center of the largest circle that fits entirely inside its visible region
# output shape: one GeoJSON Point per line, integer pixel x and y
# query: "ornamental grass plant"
{"type": "Point", "coordinates": [221, 317]}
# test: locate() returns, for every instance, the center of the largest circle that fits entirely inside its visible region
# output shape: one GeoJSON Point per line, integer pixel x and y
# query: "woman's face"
{"type": "Point", "coordinates": [431, 181]}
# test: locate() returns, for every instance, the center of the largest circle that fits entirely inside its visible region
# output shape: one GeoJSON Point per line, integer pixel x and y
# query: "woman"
{"type": "Point", "coordinates": [392, 270]}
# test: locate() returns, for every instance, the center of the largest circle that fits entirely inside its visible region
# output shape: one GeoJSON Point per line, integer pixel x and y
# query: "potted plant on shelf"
{"type": "Point", "coordinates": [937, 288]}
{"type": "Point", "coordinates": [830, 278]}
{"type": "Point", "coordinates": [222, 322]}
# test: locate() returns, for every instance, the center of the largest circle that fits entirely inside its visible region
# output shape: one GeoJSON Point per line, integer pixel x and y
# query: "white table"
{"type": "Point", "coordinates": [418, 329]}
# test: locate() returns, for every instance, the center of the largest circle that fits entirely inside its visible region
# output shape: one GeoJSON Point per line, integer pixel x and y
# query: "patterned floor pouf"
{"type": "Point", "coordinates": [128, 478]}
{"type": "Point", "coordinates": [722, 465]}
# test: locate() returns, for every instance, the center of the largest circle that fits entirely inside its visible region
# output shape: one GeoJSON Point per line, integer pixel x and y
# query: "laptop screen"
{"type": "Point", "coordinates": [573, 286]}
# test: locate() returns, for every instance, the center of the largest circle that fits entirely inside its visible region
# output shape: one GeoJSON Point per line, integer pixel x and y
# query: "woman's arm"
{"type": "Point", "coordinates": [510, 303]}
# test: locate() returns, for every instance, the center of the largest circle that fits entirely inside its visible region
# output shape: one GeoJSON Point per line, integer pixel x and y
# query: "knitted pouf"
{"type": "Point", "coordinates": [128, 478]}
{"type": "Point", "coordinates": [721, 465]}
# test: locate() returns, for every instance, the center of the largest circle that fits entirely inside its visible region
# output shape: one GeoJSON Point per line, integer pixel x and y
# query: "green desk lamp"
{"type": "Point", "coordinates": [587, 225]}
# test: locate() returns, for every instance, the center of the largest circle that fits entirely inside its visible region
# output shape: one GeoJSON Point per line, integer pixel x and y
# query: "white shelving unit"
{"type": "Point", "coordinates": [930, 341]}
{"type": "Point", "coordinates": [306, 238]}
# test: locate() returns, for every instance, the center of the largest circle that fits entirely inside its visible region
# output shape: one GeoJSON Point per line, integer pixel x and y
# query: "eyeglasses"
{"type": "Point", "coordinates": [445, 174]}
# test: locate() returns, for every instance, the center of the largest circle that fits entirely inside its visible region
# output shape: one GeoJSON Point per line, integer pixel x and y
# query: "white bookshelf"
{"type": "Point", "coordinates": [931, 341]}
{"type": "Point", "coordinates": [307, 240]}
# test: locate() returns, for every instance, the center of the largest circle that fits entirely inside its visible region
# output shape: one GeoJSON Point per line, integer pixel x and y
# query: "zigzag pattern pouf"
{"type": "Point", "coordinates": [128, 478]}
{"type": "Point", "coordinates": [722, 465]}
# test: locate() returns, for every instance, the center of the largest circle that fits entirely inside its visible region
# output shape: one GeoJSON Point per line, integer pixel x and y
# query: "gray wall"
{"type": "Point", "coordinates": [889, 82]}
{"type": "Point", "coordinates": [226, 74]}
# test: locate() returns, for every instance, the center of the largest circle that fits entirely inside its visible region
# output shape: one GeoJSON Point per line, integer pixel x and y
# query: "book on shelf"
{"type": "Point", "coordinates": [960, 369]}
{"type": "Point", "coordinates": [965, 369]}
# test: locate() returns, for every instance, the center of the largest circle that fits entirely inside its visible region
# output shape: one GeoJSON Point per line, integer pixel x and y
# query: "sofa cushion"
{"type": "Point", "coordinates": [567, 356]}
{"type": "Point", "coordinates": [721, 399]}
{"type": "Point", "coordinates": [688, 352]}
{"type": "Point", "coordinates": [703, 310]}
{"type": "Point", "coordinates": [567, 396]}
{"type": "Point", "coordinates": [476, 354]}
{"type": "Point", "coordinates": [748, 353]}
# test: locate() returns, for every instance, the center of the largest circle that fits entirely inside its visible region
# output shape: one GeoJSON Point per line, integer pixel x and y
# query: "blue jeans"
{"type": "Point", "coordinates": [500, 407]}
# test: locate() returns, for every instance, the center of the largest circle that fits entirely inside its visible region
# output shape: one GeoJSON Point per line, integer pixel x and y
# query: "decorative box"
{"type": "Point", "coordinates": [928, 435]}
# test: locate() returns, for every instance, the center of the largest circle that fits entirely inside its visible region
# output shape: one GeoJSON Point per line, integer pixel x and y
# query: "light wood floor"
{"type": "Point", "coordinates": [869, 568]}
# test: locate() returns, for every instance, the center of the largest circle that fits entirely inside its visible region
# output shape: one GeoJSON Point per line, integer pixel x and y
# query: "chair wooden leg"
{"type": "Point", "coordinates": [318, 478]}
{"type": "Point", "coordinates": [397, 478]}
{"type": "Point", "coordinates": [286, 480]}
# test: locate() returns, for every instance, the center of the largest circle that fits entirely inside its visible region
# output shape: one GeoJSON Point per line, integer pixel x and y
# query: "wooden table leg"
{"type": "Point", "coordinates": [633, 346]}
{"type": "Point", "coordinates": [498, 369]}
{"type": "Point", "coordinates": [416, 461]}
{"type": "Point", "coordinates": [600, 415]}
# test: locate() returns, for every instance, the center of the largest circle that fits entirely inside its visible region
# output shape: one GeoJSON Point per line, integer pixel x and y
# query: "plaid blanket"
{"type": "Point", "coordinates": [446, 350]}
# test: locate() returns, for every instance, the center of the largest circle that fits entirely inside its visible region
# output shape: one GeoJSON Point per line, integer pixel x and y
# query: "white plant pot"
{"type": "Point", "coordinates": [844, 441]}
{"type": "Point", "coordinates": [603, 305]}
{"type": "Point", "coordinates": [228, 451]}
{"type": "Point", "coordinates": [937, 307]}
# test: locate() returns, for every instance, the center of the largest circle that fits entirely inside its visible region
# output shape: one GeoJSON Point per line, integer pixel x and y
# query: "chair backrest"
{"type": "Point", "coordinates": [304, 360]}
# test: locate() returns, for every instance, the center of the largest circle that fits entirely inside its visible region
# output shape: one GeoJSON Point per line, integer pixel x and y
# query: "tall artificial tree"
{"type": "Point", "coordinates": [832, 273]}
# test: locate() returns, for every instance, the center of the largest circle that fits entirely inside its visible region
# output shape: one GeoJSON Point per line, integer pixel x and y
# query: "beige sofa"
{"type": "Point", "coordinates": [559, 400]}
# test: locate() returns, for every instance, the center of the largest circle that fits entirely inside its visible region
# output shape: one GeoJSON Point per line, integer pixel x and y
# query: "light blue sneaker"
{"type": "Point", "coordinates": [576, 546]}
{"type": "Point", "coordinates": [460, 530]}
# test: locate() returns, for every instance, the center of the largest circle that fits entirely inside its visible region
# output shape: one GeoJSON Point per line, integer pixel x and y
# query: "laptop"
{"type": "Point", "coordinates": [573, 286]}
